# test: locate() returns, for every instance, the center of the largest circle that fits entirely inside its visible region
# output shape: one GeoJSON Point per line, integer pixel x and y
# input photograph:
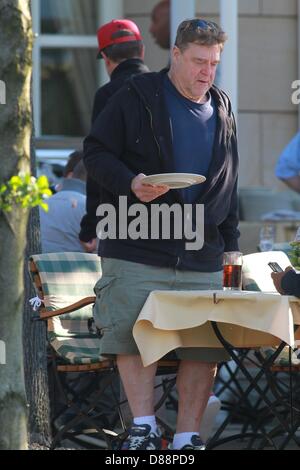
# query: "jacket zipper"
{"type": "Point", "coordinates": [151, 118]}
{"type": "Point", "coordinates": [159, 154]}
{"type": "Point", "coordinates": [154, 136]}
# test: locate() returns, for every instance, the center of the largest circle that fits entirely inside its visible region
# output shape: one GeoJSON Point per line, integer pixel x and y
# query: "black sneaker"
{"type": "Point", "coordinates": [141, 438]}
{"type": "Point", "coordinates": [195, 444]}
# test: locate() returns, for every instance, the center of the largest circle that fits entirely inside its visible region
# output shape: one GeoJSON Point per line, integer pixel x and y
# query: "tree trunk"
{"type": "Point", "coordinates": [34, 335]}
{"type": "Point", "coordinates": [35, 349]}
{"type": "Point", "coordinates": [15, 131]}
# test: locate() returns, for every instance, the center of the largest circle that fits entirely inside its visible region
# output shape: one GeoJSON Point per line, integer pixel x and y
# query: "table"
{"type": "Point", "coordinates": [234, 319]}
{"type": "Point", "coordinates": [173, 319]}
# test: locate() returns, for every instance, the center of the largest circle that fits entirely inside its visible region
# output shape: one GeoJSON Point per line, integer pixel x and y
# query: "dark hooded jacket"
{"type": "Point", "coordinates": [290, 283]}
{"type": "Point", "coordinates": [133, 135]}
{"type": "Point", "coordinates": [123, 72]}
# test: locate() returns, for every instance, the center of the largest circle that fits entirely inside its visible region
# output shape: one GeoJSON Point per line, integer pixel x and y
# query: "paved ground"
{"type": "Point", "coordinates": [86, 441]}
{"type": "Point", "coordinates": [232, 429]}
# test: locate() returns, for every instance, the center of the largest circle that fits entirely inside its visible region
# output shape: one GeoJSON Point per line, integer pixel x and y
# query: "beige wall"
{"type": "Point", "coordinates": [268, 64]}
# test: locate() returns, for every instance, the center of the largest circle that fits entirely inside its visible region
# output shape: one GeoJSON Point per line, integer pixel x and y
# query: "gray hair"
{"type": "Point", "coordinates": [199, 31]}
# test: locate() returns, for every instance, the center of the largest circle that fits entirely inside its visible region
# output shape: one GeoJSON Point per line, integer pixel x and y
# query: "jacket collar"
{"type": "Point", "coordinates": [129, 66]}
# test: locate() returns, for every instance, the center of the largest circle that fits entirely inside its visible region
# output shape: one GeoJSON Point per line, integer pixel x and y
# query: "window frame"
{"type": "Point", "coordinates": [50, 41]}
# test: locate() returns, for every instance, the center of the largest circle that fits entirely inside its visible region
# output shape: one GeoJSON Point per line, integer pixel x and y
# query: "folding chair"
{"type": "Point", "coordinates": [248, 405]}
{"type": "Point", "coordinates": [283, 375]}
{"type": "Point", "coordinates": [64, 285]}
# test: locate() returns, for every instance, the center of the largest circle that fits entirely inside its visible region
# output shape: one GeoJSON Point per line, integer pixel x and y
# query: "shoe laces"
{"type": "Point", "coordinates": [139, 435]}
{"type": "Point", "coordinates": [136, 442]}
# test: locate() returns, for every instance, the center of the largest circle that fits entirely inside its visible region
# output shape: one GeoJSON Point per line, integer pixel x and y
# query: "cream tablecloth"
{"type": "Point", "coordinates": [173, 319]}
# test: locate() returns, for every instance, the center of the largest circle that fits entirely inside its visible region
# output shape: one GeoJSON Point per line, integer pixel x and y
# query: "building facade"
{"type": "Point", "coordinates": [67, 74]}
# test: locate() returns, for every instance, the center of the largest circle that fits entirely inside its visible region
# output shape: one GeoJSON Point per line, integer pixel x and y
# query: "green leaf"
{"type": "Point", "coordinates": [25, 191]}
{"type": "Point", "coordinates": [44, 206]}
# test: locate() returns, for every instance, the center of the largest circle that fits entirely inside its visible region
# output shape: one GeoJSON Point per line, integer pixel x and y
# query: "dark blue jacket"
{"type": "Point", "coordinates": [133, 135]}
{"type": "Point", "coordinates": [290, 283]}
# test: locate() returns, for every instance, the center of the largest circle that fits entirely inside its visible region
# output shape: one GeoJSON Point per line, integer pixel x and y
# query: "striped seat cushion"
{"type": "Point", "coordinates": [67, 278]}
{"type": "Point", "coordinates": [77, 350]}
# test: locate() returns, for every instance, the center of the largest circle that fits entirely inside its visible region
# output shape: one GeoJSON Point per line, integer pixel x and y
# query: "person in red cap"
{"type": "Point", "coordinates": [117, 32]}
{"type": "Point", "coordinates": [121, 47]}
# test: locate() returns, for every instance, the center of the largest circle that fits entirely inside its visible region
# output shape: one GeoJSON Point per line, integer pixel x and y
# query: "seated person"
{"type": "Point", "coordinates": [287, 282]}
{"type": "Point", "coordinates": [61, 224]}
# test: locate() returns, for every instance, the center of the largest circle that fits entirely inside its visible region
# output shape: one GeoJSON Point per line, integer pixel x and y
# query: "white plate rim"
{"type": "Point", "coordinates": [178, 178]}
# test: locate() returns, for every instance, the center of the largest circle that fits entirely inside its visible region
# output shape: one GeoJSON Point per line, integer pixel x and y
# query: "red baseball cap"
{"type": "Point", "coordinates": [117, 32]}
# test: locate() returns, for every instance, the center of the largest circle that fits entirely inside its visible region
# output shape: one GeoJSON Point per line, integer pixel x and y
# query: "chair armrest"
{"type": "Point", "coordinates": [45, 314]}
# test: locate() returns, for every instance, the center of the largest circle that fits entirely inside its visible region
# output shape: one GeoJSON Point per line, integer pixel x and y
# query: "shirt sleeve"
{"type": "Point", "coordinates": [104, 147]}
{"type": "Point", "coordinates": [229, 228]}
{"type": "Point", "coordinates": [288, 164]}
{"type": "Point", "coordinates": [290, 283]}
{"type": "Point", "coordinates": [89, 220]}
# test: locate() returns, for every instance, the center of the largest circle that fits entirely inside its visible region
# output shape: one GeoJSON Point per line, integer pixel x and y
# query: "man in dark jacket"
{"type": "Point", "coordinates": [287, 282]}
{"type": "Point", "coordinates": [175, 122]}
{"type": "Point", "coordinates": [121, 48]}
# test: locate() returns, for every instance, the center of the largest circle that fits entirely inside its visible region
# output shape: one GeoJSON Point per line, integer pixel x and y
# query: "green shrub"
{"type": "Point", "coordinates": [24, 190]}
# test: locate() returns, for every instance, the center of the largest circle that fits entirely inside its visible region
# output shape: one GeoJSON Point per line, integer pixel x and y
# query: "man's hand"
{"type": "Point", "coordinates": [90, 246]}
{"type": "Point", "coordinates": [146, 192]}
{"type": "Point", "coordinates": [277, 279]}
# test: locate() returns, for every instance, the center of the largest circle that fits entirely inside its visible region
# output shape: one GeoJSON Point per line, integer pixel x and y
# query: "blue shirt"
{"type": "Point", "coordinates": [288, 164]}
{"type": "Point", "coordinates": [193, 128]}
{"type": "Point", "coordinates": [60, 226]}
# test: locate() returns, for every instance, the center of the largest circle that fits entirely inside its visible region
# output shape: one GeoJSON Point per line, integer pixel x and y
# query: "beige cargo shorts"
{"type": "Point", "coordinates": [121, 293]}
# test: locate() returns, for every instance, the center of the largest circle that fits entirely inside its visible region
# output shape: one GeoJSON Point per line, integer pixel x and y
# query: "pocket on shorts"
{"type": "Point", "coordinates": [102, 283]}
{"type": "Point", "coordinates": [101, 309]}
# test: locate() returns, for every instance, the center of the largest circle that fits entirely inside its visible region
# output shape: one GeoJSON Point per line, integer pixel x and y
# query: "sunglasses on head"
{"type": "Point", "coordinates": [195, 24]}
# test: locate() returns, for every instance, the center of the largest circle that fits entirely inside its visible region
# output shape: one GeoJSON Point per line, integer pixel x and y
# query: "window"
{"type": "Point", "coordinates": [65, 73]}
{"type": "Point", "coordinates": [68, 84]}
{"type": "Point", "coordinates": [69, 17]}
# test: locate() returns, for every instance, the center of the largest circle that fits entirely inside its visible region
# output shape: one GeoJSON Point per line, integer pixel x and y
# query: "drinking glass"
{"type": "Point", "coordinates": [267, 238]}
{"type": "Point", "coordinates": [232, 270]}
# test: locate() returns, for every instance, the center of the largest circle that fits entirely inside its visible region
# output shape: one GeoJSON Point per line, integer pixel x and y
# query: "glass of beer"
{"type": "Point", "coordinates": [232, 270]}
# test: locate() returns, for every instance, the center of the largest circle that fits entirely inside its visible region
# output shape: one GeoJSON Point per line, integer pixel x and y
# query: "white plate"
{"type": "Point", "coordinates": [175, 180]}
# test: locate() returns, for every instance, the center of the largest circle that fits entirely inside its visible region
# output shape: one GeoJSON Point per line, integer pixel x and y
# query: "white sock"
{"type": "Point", "coordinates": [151, 420]}
{"type": "Point", "coordinates": [182, 438]}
